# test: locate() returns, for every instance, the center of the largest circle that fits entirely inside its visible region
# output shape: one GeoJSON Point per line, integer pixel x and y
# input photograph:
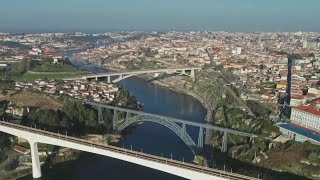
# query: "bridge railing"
{"type": "Point", "coordinates": [185, 165]}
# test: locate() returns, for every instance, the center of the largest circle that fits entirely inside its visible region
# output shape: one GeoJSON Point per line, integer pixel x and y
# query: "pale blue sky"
{"type": "Point", "coordinates": [162, 15]}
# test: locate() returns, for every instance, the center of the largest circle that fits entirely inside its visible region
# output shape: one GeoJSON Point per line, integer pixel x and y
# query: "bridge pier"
{"type": "Point", "coordinates": [192, 73]}
{"type": "Point", "coordinates": [36, 169]}
{"type": "Point", "coordinates": [119, 78]}
{"type": "Point", "coordinates": [100, 116]}
{"type": "Point", "coordinates": [200, 138]}
{"type": "Point", "coordinates": [128, 116]}
{"type": "Point", "coordinates": [115, 119]}
{"type": "Point", "coordinates": [224, 146]}
{"type": "Point", "coordinates": [108, 79]}
{"type": "Point", "coordinates": [208, 132]}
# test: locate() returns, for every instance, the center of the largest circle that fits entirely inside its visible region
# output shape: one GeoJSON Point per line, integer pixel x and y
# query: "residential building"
{"type": "Point", "coordinates": [307, 117]}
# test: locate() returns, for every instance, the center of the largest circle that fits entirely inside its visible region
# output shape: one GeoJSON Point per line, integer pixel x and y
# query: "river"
{"type": "Point", "coordinates": [153, 139]}
{"type": "Point", "coordinates": [147, 137]}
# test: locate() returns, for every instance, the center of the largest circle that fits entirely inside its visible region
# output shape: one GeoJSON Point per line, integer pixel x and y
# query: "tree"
{"type": "Point", "coordinates": [4, 92]}
{"type": "Point", "coordinates": [6, 84]}
{"type": "Point", "coordinates": [4, 141]}
{"type": "Point", "coordinates": [92, 121]}
{"type": "Point", "coordinates": [257, 108]}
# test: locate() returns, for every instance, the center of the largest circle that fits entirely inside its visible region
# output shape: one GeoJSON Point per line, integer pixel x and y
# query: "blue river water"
{"type": "Point", "coordinates": [147, 137]}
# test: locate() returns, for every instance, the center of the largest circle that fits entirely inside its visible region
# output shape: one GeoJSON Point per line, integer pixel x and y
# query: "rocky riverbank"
{"type": "Point", "coordinates": [181, 90]}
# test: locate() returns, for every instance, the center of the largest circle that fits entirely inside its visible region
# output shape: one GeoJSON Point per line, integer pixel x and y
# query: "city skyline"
{"type": "Point", "coordinates": [165, 15]}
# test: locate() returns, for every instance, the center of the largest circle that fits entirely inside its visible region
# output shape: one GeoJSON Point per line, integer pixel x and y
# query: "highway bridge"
{"type": "Point", "coordinates": [181, 169]}
{"type": "Point", "coordinates": [118, 76]}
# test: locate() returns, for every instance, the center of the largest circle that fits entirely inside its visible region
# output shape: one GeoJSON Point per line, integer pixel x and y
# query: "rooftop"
{"type": "Point", "coordinates": [302, 131]}
{"type": "Point", "coordinates": [309, 109]}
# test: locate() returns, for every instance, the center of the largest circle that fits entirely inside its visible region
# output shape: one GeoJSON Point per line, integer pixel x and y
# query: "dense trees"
{"type": "Point", "coordinates": [4, 141]}
{"type": "Point", "coordinates": [258, 109]}
{"type": "Point", "coordinates": [4, 145]}
{"type": "Point", "coordinates": [6, 84]}
{"type": "Point", "coordinates": [75, 117]}
{"type": "Point", "coordinates": [18, 69]}
{"type": "Point", "coordinates": [125, 99]}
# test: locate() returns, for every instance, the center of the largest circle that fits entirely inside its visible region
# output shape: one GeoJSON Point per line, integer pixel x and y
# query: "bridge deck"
{"type": "Point", "coordinates": [180, 121]}
{"type": "Point", "coordinates": [140, 72]}
{"type": "Point", "coordinates": [196, 168]}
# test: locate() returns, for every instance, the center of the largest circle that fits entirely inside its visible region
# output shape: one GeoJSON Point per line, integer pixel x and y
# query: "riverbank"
{"type": "Point", "coordinates": [176, 88]}
{"type": "Point", "coordinates": [181, 90]}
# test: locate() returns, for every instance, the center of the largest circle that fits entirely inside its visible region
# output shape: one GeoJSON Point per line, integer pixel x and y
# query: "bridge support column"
{"type": "Point", "coordinates": [128, 115]}
{"type": "Point", "coordinates": [115, 119]}
{"type": "Point", "coordinates": [224, 146]}
{"type": "Point", "coordinates": [183, 72]}
{"type": "Point", "coordinates": [208, 132]}
{"type": "Point", "coordinates": [100, 115]}
{"type": "Point", "coordinates": [36, 169]}
{"type": "Point", "coordinates": [192, 73]}
{"type": "Point", "coordinates": [200, 138]}
{"type": "Point", "coordinates": [108, 79]}
{"type": "Point", "coordinates": [156, 74]}
{"type": "Point", "coordinates": [96, 78]}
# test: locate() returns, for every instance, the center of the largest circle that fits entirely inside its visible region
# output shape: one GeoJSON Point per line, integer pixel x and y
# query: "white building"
{"type": "Point", "coordinates": [297, 100]}
{"type": "Point", "coordinates": [239, 50]}
{"type": "Point", "coordinates": [307, 117]}
{"type": "Point", "coordinates": [35, 51]}
{"type": "Point", "coordinates": [305, 44]}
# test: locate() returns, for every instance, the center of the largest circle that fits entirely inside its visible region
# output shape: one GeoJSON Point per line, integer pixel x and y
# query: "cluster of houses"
{"type": "Point", "coordinates": [78, 89]}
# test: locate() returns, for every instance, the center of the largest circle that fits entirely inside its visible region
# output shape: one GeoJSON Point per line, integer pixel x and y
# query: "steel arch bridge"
{"type": "Point", "coordinates": [178, 126]}
{"type": "Point", "coordinates": [180, 131]}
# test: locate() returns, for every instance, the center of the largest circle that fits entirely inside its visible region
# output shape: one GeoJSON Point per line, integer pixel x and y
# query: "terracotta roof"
{"type": "Point", "coordinates": [310, 95]}
{"type": "Point", "coordinates": [297, 97]}
{"type": "Point", "coordinates": [308, 109]}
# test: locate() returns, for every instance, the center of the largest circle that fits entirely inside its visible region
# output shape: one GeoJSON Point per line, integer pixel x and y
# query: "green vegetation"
{"type": "Point", "coordinates": [47, 65]}
{"type": "Point", "coordinates": [148, 52]}
{"type": "Point", "coordinates": [236, 118]}
{"type": "Point", "coordinates": [258, 109]}
{"type": "Point", "coordinates": [6, 84]}
{"type": "Point", "coordinates": [5, 144]}
{"type": "Point", "coordinates": [137, 64]}
{"type": "Point", "coordinates": [21, 70]}
{"type": "Point", "coordinates": [6, 54]}
{"type": "Point", "coordinates": [295, 157]}
{"type": "Point", "coordinates": [75, 117]}
{"type": "Point", "coordinates": [29, 77]}
{"type": "Point", "coordinates": [124, 99]}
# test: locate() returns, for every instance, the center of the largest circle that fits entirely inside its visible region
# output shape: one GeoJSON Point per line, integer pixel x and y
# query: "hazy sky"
{"type": "Point", "coordinates": [162, 15]}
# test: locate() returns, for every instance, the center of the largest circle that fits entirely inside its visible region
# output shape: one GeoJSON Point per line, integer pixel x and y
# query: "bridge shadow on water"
{"type": "Point", "coordinates": [222, 161]}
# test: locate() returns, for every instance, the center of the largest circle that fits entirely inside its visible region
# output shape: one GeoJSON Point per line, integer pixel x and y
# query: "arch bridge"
{"type": "Point", "coordinates": [178, 126]}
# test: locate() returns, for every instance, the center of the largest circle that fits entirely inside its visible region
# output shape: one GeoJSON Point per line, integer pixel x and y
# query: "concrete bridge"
{"type": "Point", "coordinates": [181, 169]}
{"type": "Point", "coordinates": [178, 126]}
{"type": "Point", "coordinates": [118, 76]}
